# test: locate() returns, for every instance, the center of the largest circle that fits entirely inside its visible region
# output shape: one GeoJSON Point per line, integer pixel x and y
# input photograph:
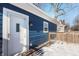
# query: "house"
{"type": "Point", "coordinates": [61, 26]}
{"type": "Point", "coordinates": [23, 26]}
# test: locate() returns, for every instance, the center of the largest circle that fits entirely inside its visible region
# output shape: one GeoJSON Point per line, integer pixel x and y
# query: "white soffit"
{"type": "Point", "coordinates": [35, 10]}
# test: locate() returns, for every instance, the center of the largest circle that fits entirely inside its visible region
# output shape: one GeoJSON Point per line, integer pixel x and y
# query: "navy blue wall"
{"type": "Point", "coordinates": [36, 34]}
{"type": "Point", "coordinates": [52, 27]}
{"type": "Point", "coordinates": [0, 30]}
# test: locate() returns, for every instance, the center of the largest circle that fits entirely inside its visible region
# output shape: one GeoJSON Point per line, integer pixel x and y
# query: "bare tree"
{"type": "Point", "coordinates": [59, 11]}
{"type": "Point", "coordinates": [76, 22]}
{"type": "Point", "coordinates": [75, 27]}
{"type": "Point", "coordinates": [56, 7]}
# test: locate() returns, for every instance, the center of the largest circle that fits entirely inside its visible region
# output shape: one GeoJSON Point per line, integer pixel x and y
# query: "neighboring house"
{"type": "Point", "coordinates": [23, 26]}
{"type": "Point", "coordinates": [61, 26]}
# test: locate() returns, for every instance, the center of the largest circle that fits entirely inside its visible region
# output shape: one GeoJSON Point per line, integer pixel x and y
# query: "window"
{"type": "Point", "coordinates": [45, 27]}
{"type": "Point", "coordinates": [17, 27]}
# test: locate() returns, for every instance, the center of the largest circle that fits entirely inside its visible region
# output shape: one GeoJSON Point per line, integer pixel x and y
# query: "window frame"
{"type": "Point", "coordinates": [45, 25]}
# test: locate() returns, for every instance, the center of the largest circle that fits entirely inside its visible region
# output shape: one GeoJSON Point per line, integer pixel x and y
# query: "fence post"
{"type": "Point", "coordinates": [73, 37]}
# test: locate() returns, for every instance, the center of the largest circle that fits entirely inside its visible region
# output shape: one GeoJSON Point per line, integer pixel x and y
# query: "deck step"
{"type": "Point", "coordinates": [38, 53]}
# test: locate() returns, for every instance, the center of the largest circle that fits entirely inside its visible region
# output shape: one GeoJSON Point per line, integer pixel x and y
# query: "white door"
{"type": "Point", "coordinates": [18, 34]}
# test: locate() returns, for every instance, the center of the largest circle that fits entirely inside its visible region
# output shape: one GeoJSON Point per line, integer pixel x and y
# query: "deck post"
{"type": "Point", "coordinates": [49, 40]}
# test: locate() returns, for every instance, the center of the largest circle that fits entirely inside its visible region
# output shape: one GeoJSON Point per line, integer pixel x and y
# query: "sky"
{"type": "Point", "coordinates": [71, 11]}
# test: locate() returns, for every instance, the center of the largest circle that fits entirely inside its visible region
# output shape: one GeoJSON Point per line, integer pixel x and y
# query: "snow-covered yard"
{"type": "Point", "coordinates": [59, 49]}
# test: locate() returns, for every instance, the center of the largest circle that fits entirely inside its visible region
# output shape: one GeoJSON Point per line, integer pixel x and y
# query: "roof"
{"type": "Point", "coordinates": [35, 10]}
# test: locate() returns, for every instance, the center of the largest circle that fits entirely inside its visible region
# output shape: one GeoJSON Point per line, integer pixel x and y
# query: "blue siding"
{"type": "Point", "coordinates": [37, 38]}
{"type": "Point", "coordinates": [36, 34]}
{"type": "Point", "coordinates": [1, 30]}
{"type": "Point", "coordinates": [52, 27]}
{"type": "Point", "coordinates": [37, 23]}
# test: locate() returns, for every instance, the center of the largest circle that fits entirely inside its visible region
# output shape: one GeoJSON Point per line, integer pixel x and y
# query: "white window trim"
{"type": "Point", "coordinates": [44, 27]}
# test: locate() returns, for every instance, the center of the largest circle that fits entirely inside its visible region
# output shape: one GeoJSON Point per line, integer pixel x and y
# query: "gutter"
{"type": "Point", "coordinates": [35, 10]}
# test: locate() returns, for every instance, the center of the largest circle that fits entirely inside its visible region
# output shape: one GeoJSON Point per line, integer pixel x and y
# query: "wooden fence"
{"type": "Point", "coordinates": [68, 37]}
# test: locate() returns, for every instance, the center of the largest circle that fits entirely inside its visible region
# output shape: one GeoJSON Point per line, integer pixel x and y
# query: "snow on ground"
{"type": "Point", "coordinates": [59, 49]}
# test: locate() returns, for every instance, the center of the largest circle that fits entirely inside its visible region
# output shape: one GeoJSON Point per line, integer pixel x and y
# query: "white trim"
{"type": "Point", "coordinates": [39, 9]}
{"type": "Point", "coordinates": [6, 30]}
{"type": "Point", "coordinates": [35, 10]}
{"type": "Point", "coordinates": [51, 19]}
{"type": "Point", "coordinates": [45, 25]}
